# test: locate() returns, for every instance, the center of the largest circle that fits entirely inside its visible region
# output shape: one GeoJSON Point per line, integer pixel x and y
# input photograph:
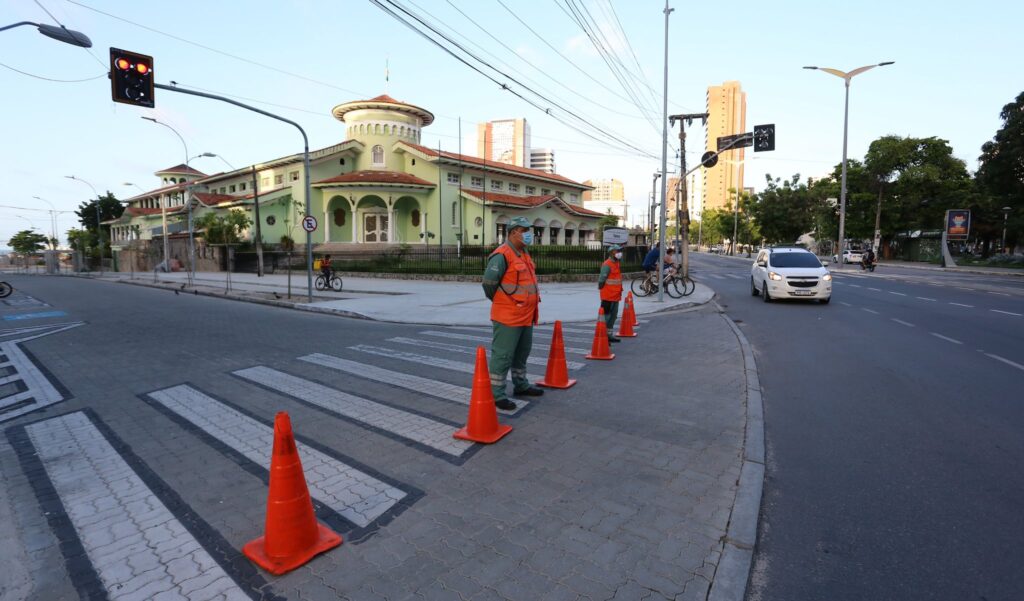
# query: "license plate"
{"type": "Point", "coordinates": [803, 292]}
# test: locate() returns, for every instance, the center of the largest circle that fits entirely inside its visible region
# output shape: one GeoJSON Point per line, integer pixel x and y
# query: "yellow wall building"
{"type": "Point", "coordinates": [727, 115]}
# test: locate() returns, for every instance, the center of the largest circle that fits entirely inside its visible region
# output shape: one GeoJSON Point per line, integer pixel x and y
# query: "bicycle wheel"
{"type": "Point", "coordinates": [673, 289]}
{"type": "Point", "coordinates": [320, 283]}
{"type": "Point", "coordinates": [5, 289]}
{"type": "Point", "coordinates": [336, 284]}
{"type": "Point", "coordinates": [638, 287]}
{"type": "Point", "coordinates": [688, 285]}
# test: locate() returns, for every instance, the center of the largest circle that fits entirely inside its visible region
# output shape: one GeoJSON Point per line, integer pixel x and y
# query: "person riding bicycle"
{"type": "Point", "coordinates": [325, 268]}
{"type": "Point", "coordinates": [868, 258]}
{"type": "Point", "coordinates": [651, 260]}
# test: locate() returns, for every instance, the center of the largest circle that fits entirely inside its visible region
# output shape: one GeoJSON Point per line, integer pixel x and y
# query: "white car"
{"type": "Point", "coordinates": [789, 272]}
{"type": "Point", "coordinates": [849, 256]}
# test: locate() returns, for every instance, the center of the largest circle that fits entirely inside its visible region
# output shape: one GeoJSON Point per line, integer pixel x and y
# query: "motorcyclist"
{"type": "Point", "coordinates": [867, 261]}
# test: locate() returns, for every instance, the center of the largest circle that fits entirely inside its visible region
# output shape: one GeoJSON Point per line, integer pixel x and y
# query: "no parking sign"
{"type": "Point", "coordinates": [309, 223]}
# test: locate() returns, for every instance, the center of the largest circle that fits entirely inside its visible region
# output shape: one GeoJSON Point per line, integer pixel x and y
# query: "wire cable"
{"type": "Point", "coordinates": [51, 78]}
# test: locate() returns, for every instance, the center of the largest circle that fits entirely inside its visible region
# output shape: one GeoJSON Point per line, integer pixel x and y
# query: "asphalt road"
{"type": "Point", "coordinates": [895, 434]}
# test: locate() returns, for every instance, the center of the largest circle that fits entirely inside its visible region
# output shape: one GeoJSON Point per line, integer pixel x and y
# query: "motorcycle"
{"type": "Point", "coordinates": [866, 265]}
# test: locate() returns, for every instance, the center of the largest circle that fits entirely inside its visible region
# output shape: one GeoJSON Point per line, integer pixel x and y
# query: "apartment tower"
{"type": "Point", "coordinates": [504, 141]}
{"type": "Point", "coordinates": [727, 115]}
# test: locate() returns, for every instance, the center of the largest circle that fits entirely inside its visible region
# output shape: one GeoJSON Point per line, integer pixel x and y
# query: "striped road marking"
{"type": "Point", "coordinates": [467, 368]}
{"type": "Point", "coordinates": [355, 496]}
{"type": "Point", "coordinates": [389, 420]}
{"type": "Point", "coordinates": [1005, 312]}
{"type": "Point", "coordinates": [435, 388]}
{"type": "Point", "coordinates": [946, 338]}
{"type": "Point", "coordinates": [901, 322]}
{"type": "Point", "coordinates": [963, 305]}
{"type": "Point", "coordinates": [454, 336]}
{"type": "Point", "coordinates": [1006, 361]}
{"type": "Point", "coordinates": [38, 391]}
{"type": "Point", "coordinates": [465, 350]}
{"type": "Point", "coordinates": [125, 529]}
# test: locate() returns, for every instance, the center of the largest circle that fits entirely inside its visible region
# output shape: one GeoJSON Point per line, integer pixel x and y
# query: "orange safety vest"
{"type": "Point", "coordinates": [515, 303]}
{"type": "Point", "coordinates": [612, 289]}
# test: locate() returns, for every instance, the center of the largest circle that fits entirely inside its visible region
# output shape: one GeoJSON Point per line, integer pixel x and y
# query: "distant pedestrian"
{"type": "Point", "coordinates": [510, 282]}
{"type": "Point", "coordinates": [609, 283]}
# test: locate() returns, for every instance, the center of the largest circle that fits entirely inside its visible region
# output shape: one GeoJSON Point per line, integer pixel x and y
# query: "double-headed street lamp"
{"type": "Point", "coordinates": [188, 200]}
{"type": "Point", "coordinates": [99, 227]}
{"type": "Point", "coordinates": [212, 155]}
{"type": "Point", "coordinates": [846, 77]}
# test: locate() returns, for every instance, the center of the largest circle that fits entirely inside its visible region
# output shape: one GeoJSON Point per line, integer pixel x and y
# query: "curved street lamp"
{"type": "Point", "coordinates": [99, 227]}
{"type": "Point", "coordinates": [61, 34]}
{"type": "Point", "coordinates": [846, 77]}
{"type": "Point", "coordinates": [188, 201]}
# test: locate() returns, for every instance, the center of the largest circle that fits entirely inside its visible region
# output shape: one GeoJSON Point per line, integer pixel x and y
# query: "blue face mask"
{"type": "Point", "coordinates": [527, 238]}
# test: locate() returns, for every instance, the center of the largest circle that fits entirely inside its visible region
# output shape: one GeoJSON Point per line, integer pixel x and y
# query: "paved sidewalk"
{"type": "Point", "coordinates": [408, 301]}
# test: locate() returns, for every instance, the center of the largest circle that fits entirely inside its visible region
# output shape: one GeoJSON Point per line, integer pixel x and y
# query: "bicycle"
{"type": "Point", "coordinates": [334, 283]}
{"type": "Point", "coordinates": [675, 285]}
{"type": "Point", "coordinates": [5, 289]}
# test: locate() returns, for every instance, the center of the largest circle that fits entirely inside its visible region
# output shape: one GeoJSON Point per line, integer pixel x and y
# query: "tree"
{"type": "Point", "coordinates": [223, 228]}
{"type": "Point", "coordinates": [784, 210]}
{"type": "Point", "coordinates": [27, 242]}
{"type": "Point", "coordinates": [1000, 176]}
{"type": "Point", "coordinates": [110, 208]}
{"type": "Point", "coordinates": [606, 221]}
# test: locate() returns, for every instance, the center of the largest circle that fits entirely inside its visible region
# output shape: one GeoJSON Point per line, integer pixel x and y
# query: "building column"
{"type": "Point", "coordinates": [355, 223]}
{"type": "Point", "coordinates": [327, 225]}
{"type": "Point", "coordinates": [391, 223]}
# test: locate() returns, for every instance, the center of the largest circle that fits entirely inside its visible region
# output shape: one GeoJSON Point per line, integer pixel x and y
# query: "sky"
{"type": "Point", "coordinates": [954, 70]}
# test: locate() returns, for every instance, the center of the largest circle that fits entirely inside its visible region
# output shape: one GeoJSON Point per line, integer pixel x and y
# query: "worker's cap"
{"type": "Point", "coordinates": [614, 247]}
{"type": "Point", "coordinates": [518, 222]}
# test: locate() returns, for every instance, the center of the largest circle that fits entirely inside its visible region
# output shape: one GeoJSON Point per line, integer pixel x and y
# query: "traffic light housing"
{"type": "Point", "coordinates": [764, 137]}
{"type": "Point", "coordinates": [131, 78]}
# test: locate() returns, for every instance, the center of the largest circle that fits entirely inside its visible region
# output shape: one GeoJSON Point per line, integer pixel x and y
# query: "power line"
{"type": "Point", "coordinates": [50, 78]}
{"type": "Point", "coordinates": [505, 86]}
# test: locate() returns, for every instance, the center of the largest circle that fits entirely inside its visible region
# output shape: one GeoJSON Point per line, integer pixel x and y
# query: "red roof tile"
{"type": "Point", "coordinates": [537, 173]}
{"type": "Point", "coordinates": [531, 201]}
{"type": "Point", "coordinates": [211, 198]}
{"type": "Point", "coordinates": [182, 168]}
{"type": "Point", "coordinates": [377, 177]}
{"type": "Point", "coordinates": [136, 211]}
{"type": "Point", "coordinates": [385, 98]}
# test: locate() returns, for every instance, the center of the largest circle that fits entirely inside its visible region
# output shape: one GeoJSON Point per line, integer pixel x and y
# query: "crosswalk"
{"type": "Point", "coordinates": [115, 510]}
{"type": "Point", "coordinates": [25, 386]}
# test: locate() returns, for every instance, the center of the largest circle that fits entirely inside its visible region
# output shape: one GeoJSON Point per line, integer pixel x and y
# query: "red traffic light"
{"type": "Point", "coordinates": [142, 68]}
{"type": "Point", "coordinates": [131, 78]}
{"type": "Point", "coordinates": [123, 64]}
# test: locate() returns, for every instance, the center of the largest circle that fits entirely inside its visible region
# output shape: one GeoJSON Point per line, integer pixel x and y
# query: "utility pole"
{"type": "Point", "coordinates": [664, 165]}
{"type": "Point", "coordinates": [256, 215]}
{"type": "Point", "coordinates": [682, 206]}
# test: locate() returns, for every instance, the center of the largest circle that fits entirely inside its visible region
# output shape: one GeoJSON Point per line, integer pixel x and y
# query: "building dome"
{"type": "Point", "coordinates": [383, 103]}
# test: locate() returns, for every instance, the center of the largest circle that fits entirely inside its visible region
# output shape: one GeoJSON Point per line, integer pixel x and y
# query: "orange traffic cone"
{"type": "Point", "coordinates": [632, 310]}
{"type": "Point", "coordinates": [482, 425]}
{"type": "Point", "coordinates": [557, 374]}
{"type": "Point", "coordinates": [626, 324]}
{"type": "Point", "coordinates": [600, 348]}
{"type": "Point", "coordinates": [292, 535]}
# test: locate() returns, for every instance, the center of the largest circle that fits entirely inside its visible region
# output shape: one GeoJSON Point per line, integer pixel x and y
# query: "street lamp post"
{"type": "Point", "coordinates": [61, 34]}
{"type": "Point", "coordinates": [99, 226]}
{"type": "Point", "coordinates": [1006, 215]}
{"type": "Point", "coordinates": [654, 204]}
{"type": "Point", "coordinates": [53, 220]}
{"type": "Point", "coordinates": [846, 77]}
{"type": "Point", "coordinates": [188, 201]}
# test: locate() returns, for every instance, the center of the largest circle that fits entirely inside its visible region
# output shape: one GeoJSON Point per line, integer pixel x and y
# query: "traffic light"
{"type": "Point", "coordinates": [131, 78]}
{"type": "Point", "coordinates": [764, 137]}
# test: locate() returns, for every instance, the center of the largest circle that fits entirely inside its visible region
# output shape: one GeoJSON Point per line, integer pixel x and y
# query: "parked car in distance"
{"type": "Point", "coordinates": [716, 248]}
{"type": "Point", "coordinates": [849, 256]}
{"type": "Point", "coordinates": [789, 273]}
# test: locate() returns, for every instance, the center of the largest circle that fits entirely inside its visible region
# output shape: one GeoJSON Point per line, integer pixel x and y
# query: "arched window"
{"type": "Point", "coordinates": [455, 207]}
{"type": "Point", "coordinates": [415, 217]}
{"type": "Point", "coordinates": [378, 155]}
{"type": "Point", "coordinates": [339, 217]}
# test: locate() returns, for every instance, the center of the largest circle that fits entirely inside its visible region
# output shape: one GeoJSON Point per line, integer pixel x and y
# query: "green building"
{"type": "Point", "coordinates": [376, 189]}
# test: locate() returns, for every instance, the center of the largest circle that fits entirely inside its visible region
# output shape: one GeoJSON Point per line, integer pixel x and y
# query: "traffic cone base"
{"type": "Point", "coordinates": [482, 424]}
{"type": "Point", "coordinates": [256, 551]}
{"type": "Point", "coordinates": [292, 536]}
{"type": "Point", "coordinates": [600, 349]}
{"type": "Point", "coordinates": [556, 375]}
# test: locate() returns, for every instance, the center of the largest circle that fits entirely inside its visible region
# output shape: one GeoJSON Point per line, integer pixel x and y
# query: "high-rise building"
{"type": "Point", "coordinates": [727, 115]}
{"type": "Point", "coordinates": [607, 197]}
{"type": "Point", "coordinates": [542, 159]}
{"type": "Point", "coordinates": [504, 141]}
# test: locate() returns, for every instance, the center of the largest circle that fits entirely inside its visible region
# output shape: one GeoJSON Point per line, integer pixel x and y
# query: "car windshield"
{"type": "Point", "coordinates": [794, 260]}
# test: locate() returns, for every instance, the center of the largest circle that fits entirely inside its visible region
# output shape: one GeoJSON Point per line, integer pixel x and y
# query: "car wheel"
{"type": "Point", "coordinates": [824, 301]}
{"type": "Point", "coordinates": [753, 288]}
{"type": "Point", "coordinates": [765, 296]}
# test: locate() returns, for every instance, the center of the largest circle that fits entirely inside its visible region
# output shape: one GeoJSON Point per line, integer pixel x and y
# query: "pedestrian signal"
{"type": "Point", "coordinates": [764, 137]}
{"type": "Point", "coordinates": [131, 78]}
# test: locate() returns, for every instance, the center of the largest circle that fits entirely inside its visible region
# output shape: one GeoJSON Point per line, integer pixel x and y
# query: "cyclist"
{"type": "Point", "coordinates": [651, 260]}
{"type": "Point", "coordinates": [670, 264]}
{"type": "Point", "coordinates": [325, 269]}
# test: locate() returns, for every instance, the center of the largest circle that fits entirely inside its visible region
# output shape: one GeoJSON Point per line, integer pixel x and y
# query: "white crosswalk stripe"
{"type": "Point", "coordinates": [39, 391]}
{"type": "Point", "coordinates": [467, 350]}
{"type": "Point", "coordinates": [96, 486]}
{"type": "Point", "coordinates": [435, 388]}
{"type": "Point", "coordinates": [406, 425]}
{"type": "Point", "coordinates": [356, 496]}
{"type": "Point", "coordinates": [454, 336]}
{"type": "Point", "coordinates": [460, 366]}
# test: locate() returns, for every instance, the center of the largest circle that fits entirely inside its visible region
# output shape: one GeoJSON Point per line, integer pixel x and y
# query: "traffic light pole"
{"type": "Point", "coordinates": [682, 200]}
{"type": "Point", "coordinates": [305, 164]}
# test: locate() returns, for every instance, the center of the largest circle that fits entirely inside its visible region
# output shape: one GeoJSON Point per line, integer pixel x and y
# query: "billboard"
{"type": "Point", "coordinates": [615, 235]}
{"type": "Point", "coordinates": [958, 223]}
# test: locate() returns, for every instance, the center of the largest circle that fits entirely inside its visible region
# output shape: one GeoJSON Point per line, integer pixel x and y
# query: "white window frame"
{"type": "Point", "coordinates": [453, 178]}
{"type": "Point", "coordinates": [497, 185]}
{"type": "Point", "coordinates": [513, 187]}
{"type": "Point", "coordinates": [476, 181]}
{"type": "Point", "coordinates": [293, 176]}
{"type": "Point", "coordinates": [531, 190]}
{"type": "Point", "coordinates": [373, 156]}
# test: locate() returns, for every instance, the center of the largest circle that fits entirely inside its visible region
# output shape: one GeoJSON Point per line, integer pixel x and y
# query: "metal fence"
{"type": "Point", "coordinates": [467, 260]}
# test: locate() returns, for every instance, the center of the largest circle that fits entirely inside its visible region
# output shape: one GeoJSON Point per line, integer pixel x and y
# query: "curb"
{"type": "Point", "coordinates": [731, 577]}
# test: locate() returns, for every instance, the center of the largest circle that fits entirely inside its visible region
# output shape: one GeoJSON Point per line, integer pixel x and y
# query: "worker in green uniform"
{"type": "Point", "coordinates": [510, 282]}
{"type": "Point", "coordinates": [609, 283]}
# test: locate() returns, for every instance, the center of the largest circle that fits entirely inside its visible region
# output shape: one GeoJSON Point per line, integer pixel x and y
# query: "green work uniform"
{"type": "Point", "coordinates": [510, 345]}
{"type": "Point", "coordinates": [611, 308]}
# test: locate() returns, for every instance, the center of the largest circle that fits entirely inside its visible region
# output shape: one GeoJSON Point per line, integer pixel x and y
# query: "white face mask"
{"type": "Point", "coordinates": [618, 256]}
